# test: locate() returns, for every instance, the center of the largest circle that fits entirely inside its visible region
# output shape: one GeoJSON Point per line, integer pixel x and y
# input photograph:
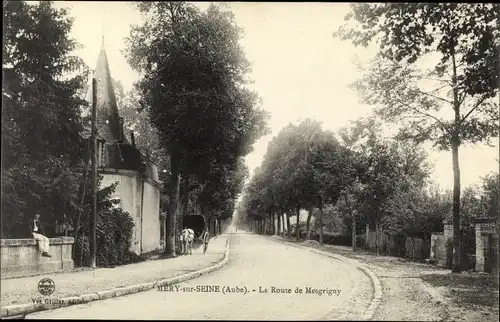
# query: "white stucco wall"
{"type": "Point", "coordinates": [151, 218]}
{"type": "Point", "coordinates": [129, 191]}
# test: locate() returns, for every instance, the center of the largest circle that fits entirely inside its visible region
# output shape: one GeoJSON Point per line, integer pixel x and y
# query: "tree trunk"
{"type": "Point", "coordinates": [353, 223]}
{"type": "Point", "coordinates": [172, 215]}
{"type": "Point", "coordinates": [273, 228]}
{"type": "Point", "coordinates": [279, 224]}
{"type": "Point", "coordinates": [185, 196]}
{"type": "Point", "coordinates": [298, 224]}
{"type": "Point", "coordinates": [275, 221]}
{"type": "Point", "coordinates": [308, 223]}
{"type": "Point", "coordinates": [273, 224]}
{"type": "Point", "coordinates": [377, 235]}
{"type": "Point", "coordinates": [455, 143]}
{"type": "Point", "coordinates": [289, 231]}
{"type": "Point", "coordinates": [321, 222]}
{"type": "Point", "coordinates": [283, 223]}
{"type": "Point", "coordinates": [353, 217]}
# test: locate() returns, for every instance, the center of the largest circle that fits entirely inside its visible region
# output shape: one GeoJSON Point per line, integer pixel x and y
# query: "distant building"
{"type": "Point", "coordinates": [119, 160]}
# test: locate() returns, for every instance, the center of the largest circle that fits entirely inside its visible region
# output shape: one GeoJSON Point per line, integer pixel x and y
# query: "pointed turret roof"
{"type": "Point", "coordinates": [108, 123]}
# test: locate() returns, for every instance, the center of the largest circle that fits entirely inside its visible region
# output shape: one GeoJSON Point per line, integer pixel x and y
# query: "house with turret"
{"type": "Point", "coordinates": [120, 160]}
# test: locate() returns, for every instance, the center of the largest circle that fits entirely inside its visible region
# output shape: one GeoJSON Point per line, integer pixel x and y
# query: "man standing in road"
{"type": "Point", "coordinates": [39, 234]}
{"type": "Point", "coordinates": [205, 237]}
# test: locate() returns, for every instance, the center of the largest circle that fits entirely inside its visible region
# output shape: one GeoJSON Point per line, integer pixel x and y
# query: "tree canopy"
{"type": "Point", "coordinates": [41, 120]}
{"type": "Point", "coordinates": [465, 38]}
{"type": "Point", "coordinates": [194, 89]}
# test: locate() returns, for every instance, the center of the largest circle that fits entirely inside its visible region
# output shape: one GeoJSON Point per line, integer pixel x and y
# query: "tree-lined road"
{"type": "Point", "coordinates": [255, 262]}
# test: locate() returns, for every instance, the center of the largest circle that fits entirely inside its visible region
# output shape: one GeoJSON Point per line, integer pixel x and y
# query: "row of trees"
{"type": "Point", "coordinates": [450, 103]}
{"type": "Point", "coordinates": [306, 167]}
{"type": "Point", "coordinates": [193, 92]}
{"type": "Point", "coordinates": [359, 179]}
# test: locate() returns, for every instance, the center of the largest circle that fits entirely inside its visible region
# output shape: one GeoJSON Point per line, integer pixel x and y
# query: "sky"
{"type": "Point", "coordinates": [298, 68]}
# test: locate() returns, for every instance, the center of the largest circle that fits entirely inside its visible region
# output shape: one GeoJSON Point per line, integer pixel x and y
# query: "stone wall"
{"type": "Point", "coordinates": [150, 218]}
{"type": "Point", "coordinates": [21, 257]}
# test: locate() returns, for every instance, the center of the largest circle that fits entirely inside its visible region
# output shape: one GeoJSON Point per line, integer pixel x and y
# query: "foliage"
{"type": "Point", "coordinates": [404, 95]}
{"type": "Point", "coordinates": [490, 197]}
{"type": "Point", "coordinates": [304, 166]}
{"type": "Point", "coordinates": [114, 231]}
{"type": "Point", "coordinates": [135, 120]}
{"type": "Point", "coordinates": [201, 110]}
{"type": "Point", "coordinates": [479, 202]}
{"type": "Point", "coordinates": [465, 37]}
{"type": "Point", "coordinates": [40, 116]}
{"type": "Point", "coordinates": [219, 194]}
{"type": "Point", "coordinates": [193, 90]}
{"type": "Point", "coordinates": [405, 32]}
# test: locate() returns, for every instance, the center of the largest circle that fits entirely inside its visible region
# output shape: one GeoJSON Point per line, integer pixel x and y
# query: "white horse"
{"type": "Point", "coordinates": [186, 239]}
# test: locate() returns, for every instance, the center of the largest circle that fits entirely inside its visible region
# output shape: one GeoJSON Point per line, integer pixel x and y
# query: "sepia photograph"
{"type": "Point", "coordinates": [269, 161]}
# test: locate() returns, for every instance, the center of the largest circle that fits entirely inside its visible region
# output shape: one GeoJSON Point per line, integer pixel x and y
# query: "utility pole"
{"type": "Point", "coordinates": [94, 175]}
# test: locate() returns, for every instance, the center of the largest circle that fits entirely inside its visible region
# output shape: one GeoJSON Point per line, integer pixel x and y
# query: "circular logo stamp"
{"type": "Point", "coordinates": [46, 286]}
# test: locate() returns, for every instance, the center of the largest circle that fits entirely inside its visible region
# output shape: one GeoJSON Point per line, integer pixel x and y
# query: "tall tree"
{"type": "Point", "coordinates": [333, 172]}
{"type": "Point", "coordinates": [466, 38]}
{"type": "Point", "coordinates": [194, 89]}
{"type": "Point", "coordinates": [41, 120]}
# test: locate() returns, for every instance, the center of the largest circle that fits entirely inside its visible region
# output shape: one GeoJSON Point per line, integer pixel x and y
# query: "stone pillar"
{"type": "Point", "coordinates": [484, 228]}
{"type": "Point", "coordinates": [433, 247]}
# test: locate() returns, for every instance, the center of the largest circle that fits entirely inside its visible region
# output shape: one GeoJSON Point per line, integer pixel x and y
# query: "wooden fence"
{"type": "Point", "coordinates": [417, 248]}
{"type": "Point", "coordinates": [409, 247]}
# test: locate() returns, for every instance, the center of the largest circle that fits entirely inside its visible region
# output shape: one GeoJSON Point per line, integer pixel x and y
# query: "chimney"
{"type": "Point", "coordinates": [132, 138]}
{"type": "Point", "coordinates": [121, 129]}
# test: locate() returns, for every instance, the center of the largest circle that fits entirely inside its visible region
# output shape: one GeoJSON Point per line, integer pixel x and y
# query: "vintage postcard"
{"type": "Point", "coordinates": [250, 161]}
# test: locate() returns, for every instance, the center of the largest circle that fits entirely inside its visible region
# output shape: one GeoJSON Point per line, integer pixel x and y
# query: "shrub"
{"type": "Point", "coordinates": [114, 236]}
{"type": "Point", "coordinates": [114, 233]}
{"type": "Point", "coordinates": [332, 238]}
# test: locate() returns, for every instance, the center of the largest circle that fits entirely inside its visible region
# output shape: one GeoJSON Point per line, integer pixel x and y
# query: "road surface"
{"type": "Point", "coordinates": [331, 289]}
